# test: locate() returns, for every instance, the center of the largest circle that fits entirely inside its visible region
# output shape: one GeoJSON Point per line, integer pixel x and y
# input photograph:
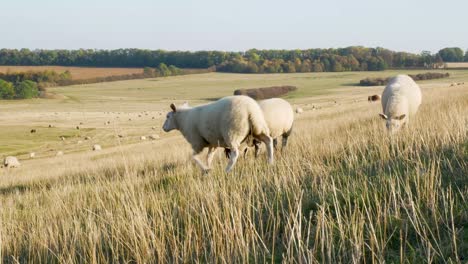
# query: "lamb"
{"type": "Point", "coordinates": [225, 123]}
{"type": "Point", "coordinates": [279, 116]}
{"type": "Point", "coordinates": [11, 162]}
{"type": "Point", "coordinates": [400, 100]}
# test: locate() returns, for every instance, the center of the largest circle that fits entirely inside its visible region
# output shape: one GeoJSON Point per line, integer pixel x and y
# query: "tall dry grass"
{"type": "Point", "coordinates": [343, 192]}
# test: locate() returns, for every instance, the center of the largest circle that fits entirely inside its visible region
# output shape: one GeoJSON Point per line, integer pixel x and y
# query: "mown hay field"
{"type": "Point", "coordinates": [343, 191]}
{"type": "Point", "coordinates": [78, 73]}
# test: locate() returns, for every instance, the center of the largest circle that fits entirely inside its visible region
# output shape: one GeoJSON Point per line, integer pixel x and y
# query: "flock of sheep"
{"type": "Point", "coordinates": [236, 121]}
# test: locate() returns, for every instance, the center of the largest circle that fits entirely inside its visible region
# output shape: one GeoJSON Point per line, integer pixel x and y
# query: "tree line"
{"type": "Point", "coordinates": [30, 84]}
{"type": "Point", "coordinates": [354, 58]}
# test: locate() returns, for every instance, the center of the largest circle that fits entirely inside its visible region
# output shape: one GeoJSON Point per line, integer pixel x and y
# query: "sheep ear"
{"type": "Point", "coordinates": [400, 117]}
{"type": "Point", "coordinates": [173, 108]}
{"type": "Point", "coordinates": [383, 116]}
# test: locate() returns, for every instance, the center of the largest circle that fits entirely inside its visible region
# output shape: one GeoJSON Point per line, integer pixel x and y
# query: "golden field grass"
{"type": "Point", "coordinates": [78, 73]}
{"type": "Point", "coordinates": [343, 191]}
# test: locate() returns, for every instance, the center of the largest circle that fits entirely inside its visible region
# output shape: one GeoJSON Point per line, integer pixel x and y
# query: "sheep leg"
{"type": "Point", "coordinates": [198, 161]}
{"type": "Point", "coordinates": [210, 156]}
{"type": "Point", "coordinates": [232, 159]}
{"type": "Point", "coordinates": [284, 142]}
{"type": "Point", "coordinates": [257, 147]}
{"type": "Point", "coordinates": [269, 145]}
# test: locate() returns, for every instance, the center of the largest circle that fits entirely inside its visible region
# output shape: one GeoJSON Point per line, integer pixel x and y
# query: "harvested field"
{"type": "Point", "coordinates": [78, 73]}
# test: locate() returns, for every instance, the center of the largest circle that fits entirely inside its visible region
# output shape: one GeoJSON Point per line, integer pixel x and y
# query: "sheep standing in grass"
{"type": "Point", "coordinates": [225, 123]}
{"type": "Point", "coordinates": [400, 100]}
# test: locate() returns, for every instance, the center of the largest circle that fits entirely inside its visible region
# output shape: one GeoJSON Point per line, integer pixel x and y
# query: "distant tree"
{"type": "Point", "coordinates": [438, 61]}
{"type": "Point", "coordinates": [164, 70]}
{"type": "Point", "coordinates": [337, 67]}
{"type": "Point", "coordinates": [451, 54]}
{"type": "Point", "coordinates": [317, 66]}
{"type": "Point", "coordinates": [26, 90]}
{"type": "Point", "coordinates": [466, 56]}
{"type": "Point", "coordinates": [148, 72]}
{"type": "Point", "coordinates": [426, 58]}
{"type": "Point", "coordinates": [174, 70]}
{"type": "Point", "coordinates": [6, 90]}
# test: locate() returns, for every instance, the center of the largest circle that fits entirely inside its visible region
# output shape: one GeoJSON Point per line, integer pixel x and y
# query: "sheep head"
{"type": "Point", "coordinates": [394, 124]}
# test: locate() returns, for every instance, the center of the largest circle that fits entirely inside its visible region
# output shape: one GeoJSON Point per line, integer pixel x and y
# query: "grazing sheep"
{"type": "Point", "coordinates": [97, 147]}
{"type": "Point", "coordinates": [279, 116]}
{"type": "Point", "coordinates": [50, 126]}
{"type": "Point", "coordinates": [143, 138]}
{"type": "Point", "coordinates": [32, 155]}
{"type": "Point", "coordinates": [11, 162]}
{"type": "Point", "coordinates": [400, 100]}
{"type": "Point", "coordinates": [225, 123]}
{"type": "Point", "coordinates": [373, 98]}
{"type": "Point", "coordinates": [299, 110]}
{"type": "Point", "coordinates": [33, 131]}
{"type": "Point", "coordinates": [59, 153]}
{"type": "Point", "coordinates": [87, 138]}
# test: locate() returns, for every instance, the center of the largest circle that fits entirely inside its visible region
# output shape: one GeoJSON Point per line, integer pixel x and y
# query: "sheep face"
{"type": "Point", "coordinates": [394, 124]}
{"type": "Point", "coordinates": [170, 123]}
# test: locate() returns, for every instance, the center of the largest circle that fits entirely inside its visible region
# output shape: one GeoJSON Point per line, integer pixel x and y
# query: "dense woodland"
{"type": "Point", "coordinates": [252, 61]}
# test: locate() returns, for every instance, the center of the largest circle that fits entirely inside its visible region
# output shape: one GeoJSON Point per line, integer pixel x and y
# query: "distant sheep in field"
{"type": "Point", "coordinates": [401, 99]}
{"type": "Point", "coordinates": [11, 162]}
{"type": "Point", "coordinates": [33, 131]}
{"type": "Point", "coordinates": [87, 138]}
{"type": "Point", "coordinates": [143, 138]}
{"type": "Point", "coordinates": [299, 110]}
{"type": "Point", "coordinates": [279, 116]}
{"type": "Point", "coordinates": [373, 98]}
{"type": "Point", "coordinates": [97, 147]}
{"type": "Point", "coordinates": [32, 155]}
{"type": "Point", "coordinates": [225, 123]}
{"type": "Point", "coordinates": [59, 153]}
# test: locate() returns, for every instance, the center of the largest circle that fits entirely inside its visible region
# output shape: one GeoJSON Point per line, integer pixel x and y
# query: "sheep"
{"type": "Point", "coordinates": [32, 155]}
{"type": "Point", "coordinates": [33, 131]}
{"type": "Point", "coordinates": [224, 123]}
{"type": "Point", "coordinates": [97, 147]}
{"type": "Point", "coordinates": [401, 99]}
{"type": "Point", "coordinates": [279, 116]}
{"type": "Point", "coordinates": [59, 153]}
{"type": "Point", "coordinates": [373, 98]}
{"type": "Point", "coordinates": [299, 110]}
{"type": "Point", "coordinates": [143, 138]}
{"type": "Point", "coordinates": [11, 162]}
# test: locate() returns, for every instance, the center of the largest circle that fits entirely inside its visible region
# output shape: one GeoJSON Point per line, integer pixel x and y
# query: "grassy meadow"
{"type": "Point", "coordinates": [342, 191]}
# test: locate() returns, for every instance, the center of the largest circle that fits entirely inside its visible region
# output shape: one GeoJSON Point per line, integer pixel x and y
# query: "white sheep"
{"type": "Point", "coordinates": [11, 162]}
{"type": "Point", "coordinates": [225, 123]}
{"type": "Point", "coordinates": [400, 100]}
{"type": "Point", "coordinates": [279, 116]}
{"type": "Point", "coordinates": [97, 147]}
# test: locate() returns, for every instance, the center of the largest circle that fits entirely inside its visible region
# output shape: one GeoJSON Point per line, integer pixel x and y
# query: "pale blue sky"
{"type": "Point", "coordinates": [406, 25]}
